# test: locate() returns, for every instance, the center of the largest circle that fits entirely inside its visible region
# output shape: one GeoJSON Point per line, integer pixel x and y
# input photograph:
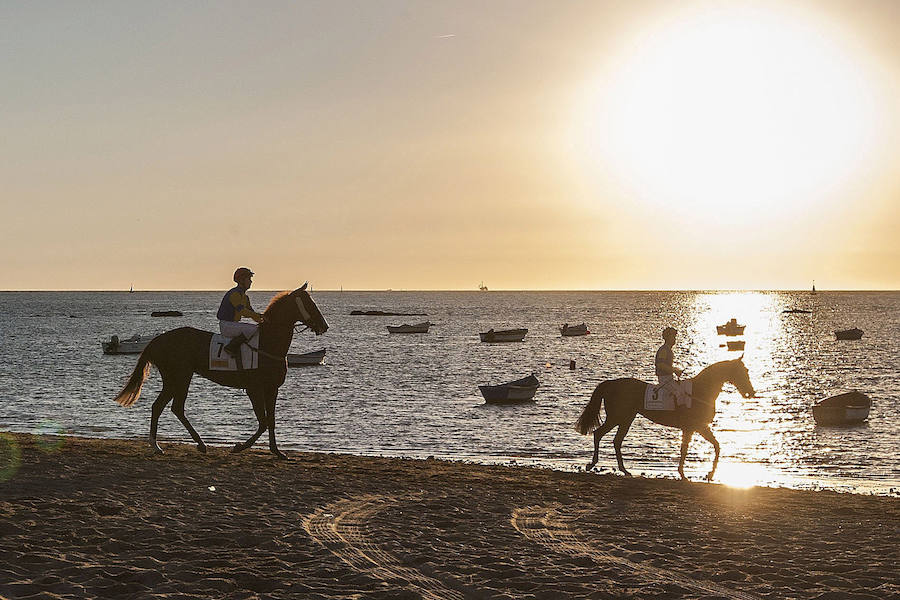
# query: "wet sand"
{"type": "Point", "coordinates": [84, 518]}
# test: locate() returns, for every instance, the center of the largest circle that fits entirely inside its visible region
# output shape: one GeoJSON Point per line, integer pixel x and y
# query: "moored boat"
{"type": "Point", "coordinates": [520, 390]}
{"type": "Point", "coordinates": [417, 328]}
{"type": "Point", "coordinates": [849, 334]}
{"type": "Point", "coordinates": [735, 345]}
{"type": "Point", "coordinates": [133, 345]}
{"type": "Point", "coordinates": [730, 328]}
{"type": "Point", "coordinates": [573, 330]}
{"type": "Point", "coordinates": [316, 357]}
{"type": "Point", "coordinates": [850, 408]}
{"type": "Point", "coordinates": [504, 335]}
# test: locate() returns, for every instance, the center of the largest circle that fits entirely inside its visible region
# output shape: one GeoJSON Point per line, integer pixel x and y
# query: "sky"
{"type": "Point", "coordinates": [437, 145]}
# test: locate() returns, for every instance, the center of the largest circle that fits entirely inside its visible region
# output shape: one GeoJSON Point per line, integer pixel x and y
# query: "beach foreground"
{"type": "Point", "coordinates": [83, 518]}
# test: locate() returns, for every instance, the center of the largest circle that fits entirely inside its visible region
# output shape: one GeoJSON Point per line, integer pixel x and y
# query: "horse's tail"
{"type": "Point", "coordinates": [590, 417]}
{"type": "Point", "coordinates": [132, 390]}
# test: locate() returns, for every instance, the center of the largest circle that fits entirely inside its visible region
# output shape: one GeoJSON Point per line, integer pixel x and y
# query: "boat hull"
{"type": "Point", "coordinates": [307, 359]}
{"type": "Point", "coordinates": [849, 334]}
{"type": "Point", "coordinates": [851, 408]}
{"type": "Point", "coordinates": [507, 335]}
{"type": "Point", "coordinates": [418, 328]}
{"type": "Point", "coordinates": [521, 390]}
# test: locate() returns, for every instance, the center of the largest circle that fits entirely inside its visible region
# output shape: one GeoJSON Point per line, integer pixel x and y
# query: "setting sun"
{"type": "Point", "coordinates": [738, 113]}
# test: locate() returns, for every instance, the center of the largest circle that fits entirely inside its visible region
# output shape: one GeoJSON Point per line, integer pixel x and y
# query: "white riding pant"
{"type": "Point", "coordinates": [668, 382]}
{"type": "Point", "coordinates": [234, 328]}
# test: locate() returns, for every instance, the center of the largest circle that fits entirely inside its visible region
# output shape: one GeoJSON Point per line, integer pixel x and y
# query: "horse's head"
{"type": "Point", "coordinates": [307, 311]}
{"type": "Point", "coordinates": [738, 375]}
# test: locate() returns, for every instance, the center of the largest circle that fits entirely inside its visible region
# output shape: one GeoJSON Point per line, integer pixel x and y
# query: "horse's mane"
{"type": "Point", "coordinates": [278, 297]}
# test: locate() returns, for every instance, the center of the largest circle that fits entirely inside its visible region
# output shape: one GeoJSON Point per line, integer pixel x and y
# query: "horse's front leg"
{"type": "Point", "coordinates": [271, 397]}
{"type": "Point", "coordinates": [686, 435]}
{"type": "Point", "coordinates": [259, 409]}
{"type": "Point", "coordinates": [709, 437]}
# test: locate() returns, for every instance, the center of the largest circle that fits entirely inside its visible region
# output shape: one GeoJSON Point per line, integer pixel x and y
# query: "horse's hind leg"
{"type": "Point", "coordinates": [709, 437]}
{"type": "Point", "coordinates": [257, 400]}
{"type": "Point", "coordinates": [599, 433]}
{"type": "Point", "coordinates": [624, 426]}
{"type": "Point", "coordinates": [165, 396]}
{"type": "Point", "coordinates": [178, 410]}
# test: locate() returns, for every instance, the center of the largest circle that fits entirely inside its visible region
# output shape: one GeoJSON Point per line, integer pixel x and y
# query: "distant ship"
{"type": "Point", "coordinates": [482, 287]}
{"type": "Point", "coordinates": [131, 290]}
{"type": "Point", "coordinates": [814, 286]}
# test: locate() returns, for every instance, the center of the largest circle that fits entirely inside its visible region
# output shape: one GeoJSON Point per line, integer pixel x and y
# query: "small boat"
{"type": "Point", "coordinates": [520, 390]}
{"type": "Point", "coordinates": [417, 328]}
{"type": "Point", "coordinates": [735, 345]}
{"type": "Point", "coordinates": [573, 330]}
{"type": "Point", "coordinates": [504, 335]}
{"type": "Point", "coordinates": [849, 334]}
{"type": "Point", "coordinates": [797, 311]}
{"type": "Point", "coordinates": [482, 287]}
{"type": "Point", "coordinates": [844, 409]}
{"type": "Point", "coordinates": [316, 357]}
{"type": "Point", "coordinates": [133, 345]}
{"type": "Point", "coordinates": [166, 313]}
{"type": "Point", "coordinates": [730, 328]}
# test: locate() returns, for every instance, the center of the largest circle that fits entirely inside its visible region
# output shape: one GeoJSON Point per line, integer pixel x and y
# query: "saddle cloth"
{"type": "Point", "coordinates": [662, 396]}
{"type": "Point", "coordinates": [219, 360]}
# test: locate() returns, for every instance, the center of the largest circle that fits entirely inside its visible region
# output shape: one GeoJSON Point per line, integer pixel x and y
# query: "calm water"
{"type": "Point", "coordinates": [417, 395]}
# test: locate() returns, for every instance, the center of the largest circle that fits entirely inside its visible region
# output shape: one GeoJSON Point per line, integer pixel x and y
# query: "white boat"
{"type": "Point", "coordinates": [519, 390]}
{"type": "Point", "coordinates": [133, 345]}
{"type": "Point", "coordinates": [316, 357]}
{"type": "Point", "coordinates": [730, 328]}
{"type": "Point", "coordinates": [417, 328]}
{"type": "Point", "coordinates": [851, 408]}
{"type": "Point", "coordinates": [573, 330]}
{"type": "Point", "coordinates": [504, 335]}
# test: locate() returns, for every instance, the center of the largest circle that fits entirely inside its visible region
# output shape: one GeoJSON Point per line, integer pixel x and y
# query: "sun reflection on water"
{"type": "Point", "coordinates": [748, 429]}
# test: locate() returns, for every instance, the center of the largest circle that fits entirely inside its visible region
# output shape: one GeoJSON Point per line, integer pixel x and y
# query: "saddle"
{"type": "Point", "coordinates": [665, 396]}
{"type": "Point", "coordinates": [219, 360]}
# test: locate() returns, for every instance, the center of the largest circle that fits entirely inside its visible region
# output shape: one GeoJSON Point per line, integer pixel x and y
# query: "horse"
{"type": "Point", "coordinates": [180, 353]}
{"type": "Point", "coordinates": [625, 400]}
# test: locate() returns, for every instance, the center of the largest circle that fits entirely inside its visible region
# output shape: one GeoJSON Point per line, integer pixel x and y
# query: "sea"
{"type": "Point", "coordinates": [417, 395]}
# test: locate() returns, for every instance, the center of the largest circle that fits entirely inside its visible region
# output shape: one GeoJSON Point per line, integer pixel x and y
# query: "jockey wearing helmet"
{"type": "Point", "coordinates": [236, 304]}
{"type": "Point", "coordinates": [665, 368]}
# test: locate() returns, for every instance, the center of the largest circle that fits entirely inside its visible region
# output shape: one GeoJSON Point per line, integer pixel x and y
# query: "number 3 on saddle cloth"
{"type": "Point", "coordinates": [664, 395]}
{"type": "Point", "coordinates": [219, 360]}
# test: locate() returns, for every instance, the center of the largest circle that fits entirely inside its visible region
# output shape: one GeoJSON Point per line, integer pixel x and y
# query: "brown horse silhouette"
{"type": "Point", "coordinates": [180, 353]}
{"type": "Point", "coordinates": [625, 400]}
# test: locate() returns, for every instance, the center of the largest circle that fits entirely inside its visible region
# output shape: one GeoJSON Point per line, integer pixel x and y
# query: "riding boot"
{"type": "Point", "coordinates": [234, 346]}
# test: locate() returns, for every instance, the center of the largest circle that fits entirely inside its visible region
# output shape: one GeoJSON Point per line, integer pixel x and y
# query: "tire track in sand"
{"type": "Point", "coordinates": [341, 528]}
{"type": "Point", "coordinates": [545, 525]}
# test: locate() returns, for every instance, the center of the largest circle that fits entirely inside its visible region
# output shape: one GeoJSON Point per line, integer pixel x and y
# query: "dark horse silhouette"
{"type": "Point", "coordinates": [625, 400]}
{"type": "Point", "coordinates": [180, 353]}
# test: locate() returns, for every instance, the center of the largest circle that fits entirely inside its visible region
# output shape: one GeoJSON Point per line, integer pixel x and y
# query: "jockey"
{"type": "Point", "coordinates": [235, 304]}
{"type": "Point", "coordinates": [666, 370]}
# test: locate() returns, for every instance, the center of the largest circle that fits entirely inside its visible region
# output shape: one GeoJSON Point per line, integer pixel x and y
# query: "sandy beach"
{"type": "Point", "coordinates": [83, 518]}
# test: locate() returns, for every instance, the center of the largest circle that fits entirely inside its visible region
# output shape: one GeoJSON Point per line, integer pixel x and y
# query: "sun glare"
{"type": "Point", "coordinates": [747, 113]}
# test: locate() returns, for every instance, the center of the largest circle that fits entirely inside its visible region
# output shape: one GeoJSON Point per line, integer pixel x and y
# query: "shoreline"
{"type": "Point", "coordinates": [86, 517]}
{"type": "Point", "coordinates": [888, 488]}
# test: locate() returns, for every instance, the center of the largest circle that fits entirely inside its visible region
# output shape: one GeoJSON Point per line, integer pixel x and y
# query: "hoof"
{"type": "Point", "coordinates": [237, 448]}
{"type": "Point", "coordinates": [626, 473]}
{"type": "Point", "coordinates": [709, 476]}
{"type": "Point", "coordinates": [201, 448]}
{"type": "Point", "coordinates": [590, 466]}
{"type": "Point", "coordinates": [280, 455]}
